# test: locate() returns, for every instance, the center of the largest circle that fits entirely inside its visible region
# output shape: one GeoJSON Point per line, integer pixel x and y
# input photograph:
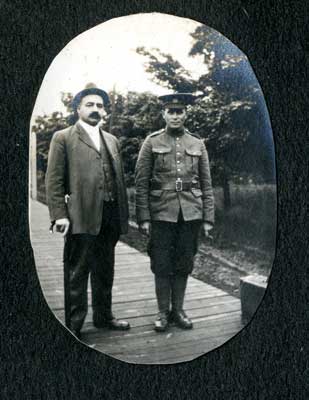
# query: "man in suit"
{"type": "Point", "coordinates": [87, 201]}
{"type": "Point", "coordinates": [174, 199]}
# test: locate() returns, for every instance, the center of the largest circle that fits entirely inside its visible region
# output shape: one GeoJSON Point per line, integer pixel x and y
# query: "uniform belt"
{"type": "Point", "coordinates": [177, 186]}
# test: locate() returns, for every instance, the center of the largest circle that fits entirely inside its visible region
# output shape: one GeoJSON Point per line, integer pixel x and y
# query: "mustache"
{"type": "Point", "coordinates": [94, 114]}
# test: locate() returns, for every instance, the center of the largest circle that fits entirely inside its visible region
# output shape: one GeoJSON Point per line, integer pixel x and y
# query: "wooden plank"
{"type": "Point", "coordinates": [53, 297]}
{"type": "Point", "coordinates": [173, 334]}
{"type": "Point", "coordinates": [141, 329]}
{"type": "Point", "coordinates": [215, 314]}
{"type": "Point", "coordinates": [154, 354]}
{"type": "Point", "coordinates": [52, 294]}
{"type": "Point", "coordinates": [192, 308]}
{"type": "Point", "coordinates": [147, 319]}
{"type": "Point", "coordinates": [171, 341]}
{"type": "Point", "coordinates": [55, 301]}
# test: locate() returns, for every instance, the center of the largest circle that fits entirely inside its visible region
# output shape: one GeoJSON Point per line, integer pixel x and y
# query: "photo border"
{"type": "Point", "coordinates": [251, 365]}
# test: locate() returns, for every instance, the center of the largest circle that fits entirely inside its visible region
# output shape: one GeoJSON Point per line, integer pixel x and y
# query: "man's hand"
{"type": "Point", "coordinates": [144, 228]}
{"type": "Point", "coordinates": [206, 229]}
{"type": "Point", "coordinates": [62, 225]}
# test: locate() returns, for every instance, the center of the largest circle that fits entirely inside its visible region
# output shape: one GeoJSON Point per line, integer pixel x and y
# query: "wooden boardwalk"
{"type": "Point", "coordinates": [216, 315]}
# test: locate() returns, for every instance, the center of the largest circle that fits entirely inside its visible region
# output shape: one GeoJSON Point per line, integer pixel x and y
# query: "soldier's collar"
{"type": "Point", "coordinates": [175, 132]}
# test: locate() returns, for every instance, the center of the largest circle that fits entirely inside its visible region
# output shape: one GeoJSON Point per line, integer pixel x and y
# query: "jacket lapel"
{"type": "Point", "coordinates": [84, 137]}
{"type": "Point", "coordinates": [110, 147]}
{"type": "Point", "coordinates": [108, 144]}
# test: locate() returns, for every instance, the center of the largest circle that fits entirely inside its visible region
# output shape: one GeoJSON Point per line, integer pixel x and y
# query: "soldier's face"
{"type": "Point", "coordinates": [91, 109]}
{"type": "Point", "coordinates": [174, 117]}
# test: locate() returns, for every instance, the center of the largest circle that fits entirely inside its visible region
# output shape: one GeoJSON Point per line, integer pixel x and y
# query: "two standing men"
{"type": "Point", "coordinates": [87, 201]}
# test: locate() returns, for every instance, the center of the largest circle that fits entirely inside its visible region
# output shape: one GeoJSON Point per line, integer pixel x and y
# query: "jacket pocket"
{"type": "Point", "coordinates": [196, 192]}
{"type": "Point", "coordinates": [69, 201]}
{"type": "Point", "coordinates": [156, 193]}
{"type": "Point", "coordinates": [162, 158]}
{"type": "Point", "coordinates": [192, 159]}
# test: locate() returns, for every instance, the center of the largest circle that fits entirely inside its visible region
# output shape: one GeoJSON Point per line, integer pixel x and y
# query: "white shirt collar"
{"type": "Point", "coordinates": [93, 132]}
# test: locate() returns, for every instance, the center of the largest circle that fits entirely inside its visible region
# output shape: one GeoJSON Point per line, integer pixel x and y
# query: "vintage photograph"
{"type": "Point", "coordinates": [152, 189]}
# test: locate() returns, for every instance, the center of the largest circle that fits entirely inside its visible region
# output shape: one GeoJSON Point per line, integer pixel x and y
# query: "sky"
{"type": "Point", "coordinates": [105, 55]}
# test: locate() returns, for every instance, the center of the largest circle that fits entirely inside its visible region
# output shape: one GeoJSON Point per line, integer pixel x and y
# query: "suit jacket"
{"type": "Point", "coordinates": [163, 159]}
{"type": "Point", "coordinates": [75, 168]}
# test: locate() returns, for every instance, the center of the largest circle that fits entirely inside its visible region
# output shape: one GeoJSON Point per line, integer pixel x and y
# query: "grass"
{"type": "Point", "coordinates": [250, 221]}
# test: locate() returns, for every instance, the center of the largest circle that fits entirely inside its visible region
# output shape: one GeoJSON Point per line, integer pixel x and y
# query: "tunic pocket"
{"type": "Point", "coordinates": [156, 193]}
{"type": "Point", "coordinates": [192, 159]}
{"type": "Point", "coordinates": [196, 192]}
{"type": "Point", "coordinates": [162, 158]}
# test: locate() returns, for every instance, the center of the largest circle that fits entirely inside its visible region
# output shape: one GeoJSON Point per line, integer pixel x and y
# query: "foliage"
{"type": "Point", "coordinates": [44, 128]}
{"type": "Point", "coordinates": [132, 117]}
{"type": "Point", "coordinates": [230, 113]}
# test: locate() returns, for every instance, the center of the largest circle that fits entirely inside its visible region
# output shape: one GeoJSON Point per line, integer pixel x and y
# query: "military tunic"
{"type": "Point", "coordinates": [162, 160]}
{"type": "Point", "coordinates": [174, 192]}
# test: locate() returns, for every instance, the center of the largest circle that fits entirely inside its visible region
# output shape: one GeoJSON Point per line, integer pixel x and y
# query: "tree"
{"type": "Point", "coordinates": [230, 112]}
{"type": "Point", "coordinates": [134, 116]}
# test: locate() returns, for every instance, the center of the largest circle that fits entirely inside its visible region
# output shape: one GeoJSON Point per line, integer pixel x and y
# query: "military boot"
{"type": "Point", "coordinates": [163, 293]}
{"type": "Point", "coordinates": [177, 315]}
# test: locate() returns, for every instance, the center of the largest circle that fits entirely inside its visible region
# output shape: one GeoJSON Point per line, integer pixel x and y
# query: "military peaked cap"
{"type": "Point", "coordinates": [89, 89]}
{"type": "Point", "coordinates": [177, 100]}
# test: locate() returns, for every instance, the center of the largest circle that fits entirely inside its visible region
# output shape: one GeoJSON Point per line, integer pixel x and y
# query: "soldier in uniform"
{"type": "Point", "coordinates": [87, 201]}
{"type": "Point", "coordinates": [174, 199]}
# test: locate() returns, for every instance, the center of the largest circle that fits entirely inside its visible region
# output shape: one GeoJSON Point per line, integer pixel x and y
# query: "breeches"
{"type": "Point", "coordinates": [84, 254]}
{"type": "Point", "coordinates": [172, 246]}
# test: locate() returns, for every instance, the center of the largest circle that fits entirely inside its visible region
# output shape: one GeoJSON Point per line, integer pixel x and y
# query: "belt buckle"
{"type": "Point", "coordinates": [178, 185]}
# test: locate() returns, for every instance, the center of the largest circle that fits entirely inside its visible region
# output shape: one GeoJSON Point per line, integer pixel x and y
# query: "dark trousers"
{"type": "Point", "coordinates": [172, 246]}
{"type": "Point", "coordinates": [84, 254]}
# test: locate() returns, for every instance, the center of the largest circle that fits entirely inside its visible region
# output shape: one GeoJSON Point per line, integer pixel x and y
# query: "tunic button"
{"type": "Point", "coordinates": [178, 162]}
{"type": "Point", "coordinates": [177, 138]}
{"type": "Point", "coordinates": [178, 169]}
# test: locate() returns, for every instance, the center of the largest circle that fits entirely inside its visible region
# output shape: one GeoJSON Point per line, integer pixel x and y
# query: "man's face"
{"type": "Point", "coordinates": [174, 117]}
{"type": "Point", "coordinates": [91, 109]}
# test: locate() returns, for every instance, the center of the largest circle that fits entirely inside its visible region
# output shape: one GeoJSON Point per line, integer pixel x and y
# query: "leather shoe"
{"type": "Point", "coordinates": [114, 324]}
{"type": "Point", "coordinates": [118, 324]}
{"type": "Point", "coordinates": [181, 319]}
{"type": "Point", "coordinates": [161, 323]}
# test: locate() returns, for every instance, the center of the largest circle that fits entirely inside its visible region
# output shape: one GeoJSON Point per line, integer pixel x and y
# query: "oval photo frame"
{"type": "Point", "coordinates": [135, 63]}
